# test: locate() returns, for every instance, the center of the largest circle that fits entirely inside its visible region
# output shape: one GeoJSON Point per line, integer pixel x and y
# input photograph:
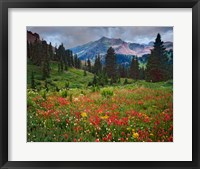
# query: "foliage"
{"type": "Point", "coordinates": [139, 112]}
{"type": "Point", "coordinates": [157, 66]}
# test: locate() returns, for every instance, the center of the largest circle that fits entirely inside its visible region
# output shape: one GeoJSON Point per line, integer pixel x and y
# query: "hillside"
{"type": "Point", "coordinates": [124, 50]}
{"type": "Point", "coordinates": [75, 77]}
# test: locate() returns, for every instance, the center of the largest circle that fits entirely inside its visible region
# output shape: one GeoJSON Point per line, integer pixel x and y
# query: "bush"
{"type": "Point", "coordinates": [107, 92]}
{"type": "Point", "coordinates": [64, 93]}
{"type": "Point", "coordinates": [125, 81]}
{"type": "Point", "coordinates": [95, 88]}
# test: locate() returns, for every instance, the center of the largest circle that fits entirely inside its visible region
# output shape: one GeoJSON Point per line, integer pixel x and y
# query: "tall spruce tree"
{"type": "Point", "coordinates": [89, 67]}
{"type": "Point", "coordinates": [32, 81]}
{"type": "Point", "coordinates": [134, 69]}
{"type": "Point", "coordinates": [97, 65]}
{"type": "Point", "coordinates": [61, 56]}
{"type": "Point", "coordinates": [28, 49]}
{"type": "Point", "coordinates": [111, 64]}
{"type": "Point", "coordinates": [45, 60]}
{"type": "Point", "coordinates": [51, 54]}
{"type": "Point", "coordinates": [157, 66]}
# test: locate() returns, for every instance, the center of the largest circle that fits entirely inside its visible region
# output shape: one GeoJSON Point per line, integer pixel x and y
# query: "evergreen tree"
{"type": "Point", "coordinates": [94, 80]}
{"type": "Point", "coordinates": [61, 57]}
{"type": "Point", "coordinates": [36, 52]}
{"type": "Point", "coordinates": [157, 65]}
{"type": "Point", "coordinates": [45, 60]}
{"type": "Point", "coordinates": [28, 49]}
{"type": "Point", "coordinates": [32, 81]}
{"type": "Point", "coordinates": [85, 73]}
{"type": "Point", "coordinates": [89, 68]}
{"type": "Point", "coordinates": [75, 61]}
{"type": "Point", "coordinates": [97, 65]}
{"type": "Point", "coordinates": [111, 65]}
{"type": "Point", "coordinates": [141, 73]}
{"type": "Point", "coordinates": [122, 71]}
{"type": "Point", "coordinates": [51, 54]}
{"type": "Point", "coordinates": [79, 64]}
{"type": "Point", "coordinates": [134, 69]}
{"type": "Point", "coordinates": [125, 81]}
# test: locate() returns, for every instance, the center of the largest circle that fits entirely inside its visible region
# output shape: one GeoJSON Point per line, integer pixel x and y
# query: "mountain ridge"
{"type": "Point", "coordinates": [100, 47]}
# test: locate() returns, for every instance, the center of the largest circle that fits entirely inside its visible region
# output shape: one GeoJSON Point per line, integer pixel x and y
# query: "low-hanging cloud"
{"type": "Point", "coordinates": [74, 36]}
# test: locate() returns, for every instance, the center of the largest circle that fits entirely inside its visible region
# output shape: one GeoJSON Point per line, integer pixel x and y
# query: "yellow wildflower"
{"type": "Point", "coordinates": [84, 114]}
{"type": "Point", "coordinates": [151, 134]}
{"type": "Point", "coordinates": [135, 135]}
{"type": "Point", "coordinates": [105, 117]}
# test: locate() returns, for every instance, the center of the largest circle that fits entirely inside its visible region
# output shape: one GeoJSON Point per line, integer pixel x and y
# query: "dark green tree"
{"type": "Point", "coordinates": [97, 65]}
{"type": "Point", "coordinates": [94, 82]}
{"type": "Point", "coordinates": [45, 60]}
{"type": "Point", "coordinates": [134, 69]}
{"type": "Point", "coordinates": [51, 54]}
{"type": "Point", "coordinates": [111, 65]}
{"type": "Point", "coordinates": [142, 73]}
{"type": "Point", "coordinates": [28, 50]}
{"type": "Point", "coordinates": [157, 65]}
{"type": "Point", "coordinates": [33, 81]}
{"type": "Point", "coordinates": [61, 57]}
{"type": "Point", "coordinates": [89, 67]}
{"type": "Point", "coordinates": [84, 73]}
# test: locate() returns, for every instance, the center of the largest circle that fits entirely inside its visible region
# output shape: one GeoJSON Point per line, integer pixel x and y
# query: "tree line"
{"type": "Point", "coordinates": [41, 53]}
{"type": "Point", "coordinates": [158, 67]}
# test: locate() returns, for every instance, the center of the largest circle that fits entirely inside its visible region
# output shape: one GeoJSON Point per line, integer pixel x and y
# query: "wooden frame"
{"type": "Point", "coordinates": [6, 4]}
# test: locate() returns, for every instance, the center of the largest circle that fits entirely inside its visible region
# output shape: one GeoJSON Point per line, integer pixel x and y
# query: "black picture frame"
{"type": "Point", "coordinates": [6, 4]}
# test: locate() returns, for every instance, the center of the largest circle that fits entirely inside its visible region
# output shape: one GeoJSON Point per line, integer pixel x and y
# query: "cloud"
{"type": "Point", "coordinates": [74, 36]}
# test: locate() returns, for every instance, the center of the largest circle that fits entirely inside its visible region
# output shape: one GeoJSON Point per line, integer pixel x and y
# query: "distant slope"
{"type": "Point", "coordinates": [122, 48]}
{"type": "Point", "coordinates": [73, 76]}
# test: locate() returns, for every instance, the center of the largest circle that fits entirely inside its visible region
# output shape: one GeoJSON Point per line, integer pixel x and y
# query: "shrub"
{"type": "Point", "coordinates": [125, 81]}
{"type": "Point", "coordinates": [64, 93]}
{"type": "Point", "coordinates": [107, 92]}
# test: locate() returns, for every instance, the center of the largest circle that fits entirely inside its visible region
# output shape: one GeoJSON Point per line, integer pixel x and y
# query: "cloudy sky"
{"type": "Point", "coordinates": [74, 36]}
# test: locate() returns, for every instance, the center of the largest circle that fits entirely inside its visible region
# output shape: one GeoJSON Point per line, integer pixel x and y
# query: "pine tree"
{"type": "Point", "coordinates": [110, 64]}
{"type": "Point", "coordinates": [134, 69]}
{"type": "Point", "coordinates": [89, 68]}
{"type": "Point", "coordinates": [32, 81]}
{"type": "Point", "coordinates": [61, 57]}
{"type": "Point", "coordinates": [141, 73]}
{"type": "Point", "coordinates": [85, 73]}
{"type": "Point", "coordinates": [97, 65]}
{"type": "Point", "coordinates": [28, 49]}
{"type": "Point", "coordinates": [94, 80]}
{"type": "Point", "coordinates": [45, 61]}
{"type": "Point", "coordinates": [79, 64]}
{"type": "Point", "coordinates": [51, 54]}
{"type": "Point", "coordinates": [75, 61]}
{"type": "Point", "coordinates": [157, 66]}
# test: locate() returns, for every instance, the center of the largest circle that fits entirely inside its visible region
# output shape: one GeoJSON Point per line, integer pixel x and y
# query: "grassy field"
{"type": "Point", "coordinates": [136, 112]}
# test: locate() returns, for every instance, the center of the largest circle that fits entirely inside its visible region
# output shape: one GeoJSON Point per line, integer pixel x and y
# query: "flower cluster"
{"type": "Point", "coordinates": [130, 115]}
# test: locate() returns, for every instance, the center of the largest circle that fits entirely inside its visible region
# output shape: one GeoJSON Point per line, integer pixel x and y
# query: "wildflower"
{"type": "Point", "coordinates": [135, 135]}
{"type": "Point", "coordinates": [66, 136]}
{"type": "Point", "coordinates": [151, 134]}
{"type": "Point", "coordinates": [84, 114]}
{"type": "Point", "coordinates": [76, 99]}
{"type": "Point", "coordinates": [97, 140]}
{"type": "Point", "coordinates": [105, 117]}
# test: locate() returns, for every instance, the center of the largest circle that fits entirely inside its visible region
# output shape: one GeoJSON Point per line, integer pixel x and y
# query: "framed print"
{"type": "Point", "coordinates": [99, 84]}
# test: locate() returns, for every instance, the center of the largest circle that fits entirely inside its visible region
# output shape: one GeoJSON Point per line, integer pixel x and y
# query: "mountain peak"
{"type": "Point", "coordinates": [104, 38]}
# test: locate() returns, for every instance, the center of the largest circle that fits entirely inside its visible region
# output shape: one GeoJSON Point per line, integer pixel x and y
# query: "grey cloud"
{"type": "Point", "coordinates": [74, 36]}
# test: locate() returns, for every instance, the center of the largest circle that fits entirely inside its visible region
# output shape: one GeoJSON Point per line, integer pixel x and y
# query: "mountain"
{"type": "Point", "coordinates": [124, 50]}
